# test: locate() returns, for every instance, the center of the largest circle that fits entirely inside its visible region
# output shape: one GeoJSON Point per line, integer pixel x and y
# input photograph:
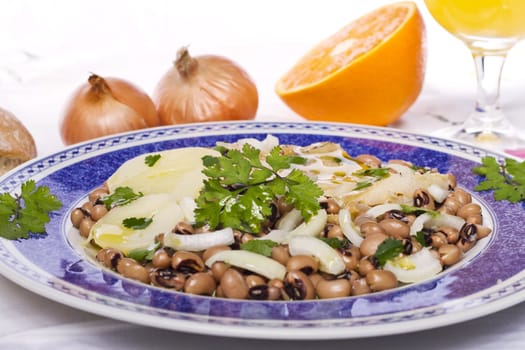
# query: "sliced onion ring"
{"type": "Point", "coordinates": [311, 228]}
{"type": "Point", "coordinates": [349, 229]}
{"type": "Point", "coordinates": [199, 241]}
{"type": "Point", "coordinates": [329, 260]}
{"type": "Point", "coordinates": [380, 209]}
{"type": "Point", "coordinates": [427, 220]}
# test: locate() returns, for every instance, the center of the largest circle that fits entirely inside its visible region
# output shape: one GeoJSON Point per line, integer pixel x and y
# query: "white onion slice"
{"type": "Point", "coordinates": [278, 236]}
{"type": "Point", "coordinates": [434, 221]}
{"type": "Point", "coordinates": [349, 229]}
{"type": "Point", "coordinates": [329, 260]}
{"type": "Point", "coordinates": [290, 220]}
{"type": "Point", "coordinates": [312, 228]}
{"type": "Point", "coordinates": [199, 241]}
{"type": "Point", "coordinates": [188, 205]}
{"type": "Point", "coordinates": [247, 260]}
{"type": "Point", "coordinates": [438, 193]}
{"type": "Point", "coordinates": [380, 209]}
{"type": "Point", "coordinates": [414, 268]}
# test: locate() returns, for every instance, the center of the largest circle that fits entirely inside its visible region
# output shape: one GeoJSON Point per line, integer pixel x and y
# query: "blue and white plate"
{"type": "Point", "coordinates": [489, 279]}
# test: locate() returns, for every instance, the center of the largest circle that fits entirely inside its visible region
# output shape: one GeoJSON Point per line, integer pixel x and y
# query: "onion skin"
{"type": "Point", "coordinates": [205, 88]}
{"type": "Point", "coordinates": [105, 106]}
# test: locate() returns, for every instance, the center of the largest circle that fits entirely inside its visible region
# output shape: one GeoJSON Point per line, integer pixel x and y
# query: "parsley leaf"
{"type": "Point", "coordinates": [240, 187]}
{"type": "Point", "coordinates": [27, 212]}
{"type": "Point", "coordinates": [141, 254]}
{"type": "Point", "coordinates": [121, 196]}
{"type": "Point", "coordinates": [389, 249]}
{"type": "Point", "coordinates": [507, 178]}
{"type": "Point", "coordinates": [137, 223]}
{"type": "Point", "coordinates": [151, 159]}
{"type": "Point", "coordinates": [259, 246]}
{"type": "Point", "coordinates": [373, 174]}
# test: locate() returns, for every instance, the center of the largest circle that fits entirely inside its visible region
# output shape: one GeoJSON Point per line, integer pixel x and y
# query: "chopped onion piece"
{"type": "Point", "coordinates": [312, 228]}
{"type": "Point", "coordinates": [438, 193]}
{"type": "Point", "coordinates": [349, 229]}
{"type": "Point", "coordinates": [199, 241]}
{"type": "Point", "coordinates": [379, 210]}
{"type": "Point", "coordinates": [414, 268]}
{"type": "Point", "coordinates": [278, 236]}
{"type": "Point", "coordinates": [290, 220]}
{"type": "Point", "coordinates": [247, 260]}
{"type": "Point", "coordinates": [329, 260]}
{"type": "Point", "coordinates": [188, 205]}
{"type": "Point", "coordinates": [434, 221]}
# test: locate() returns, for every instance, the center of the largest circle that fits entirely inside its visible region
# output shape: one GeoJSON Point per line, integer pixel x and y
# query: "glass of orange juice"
{"type": "Point", "coordinates": [490, 28]}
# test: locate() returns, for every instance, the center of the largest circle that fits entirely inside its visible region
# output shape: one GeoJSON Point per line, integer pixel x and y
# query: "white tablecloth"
{"type": "Point", "coordinates": [49, 48]}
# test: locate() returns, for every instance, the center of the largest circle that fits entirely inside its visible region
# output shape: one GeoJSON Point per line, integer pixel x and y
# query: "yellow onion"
{"type": "Point", "coordinates": [105, 106]}
{"type": "Point", "coordinates": [205, 88]}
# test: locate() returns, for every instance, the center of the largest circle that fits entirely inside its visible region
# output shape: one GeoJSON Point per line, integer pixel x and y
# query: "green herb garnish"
{"type": "Point", "coordinates": [27, 212]}
{"type": "Point", "coordinates": [389, 249]}
{"type": "Point", "coordinates": [239, 188]}
{"type": "Point", "coordinates": [410, 209]}
{"type": "Point", "coordinates": [259, 246]}
{"type": "Point", "coordinates": [421, 237]}
{"type": "Point", "coordinates": [334, 242]}
{"type": "Point", "coordinates": [507, 178]}
{"type": "Point", "coordinates": [137, 223]}
{"type": "Point", "coordinates": [375, 174]}
{"type": "Point", "coordinates": [141, 254]}
{"type": "Point", "coordinates": [121, 196]}
{"type": "Point", "coordinates": [151, 159]}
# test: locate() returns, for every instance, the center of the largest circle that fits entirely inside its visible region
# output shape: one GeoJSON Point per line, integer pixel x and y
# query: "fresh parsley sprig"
{"type": "Point", "coordinates": [121, 196]}
{"type": "Point", "coordinates": [27, 212]}
{"type": "Point", "coordinates": [507, 178]}
{"type": "Point", "coordinates": [389, 249]}
{"type": "Point", "coordinates": [240, 187]}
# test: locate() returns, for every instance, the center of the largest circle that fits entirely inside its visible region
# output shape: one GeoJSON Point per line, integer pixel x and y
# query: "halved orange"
{"type": "Point", "coordinates": [369, 72]}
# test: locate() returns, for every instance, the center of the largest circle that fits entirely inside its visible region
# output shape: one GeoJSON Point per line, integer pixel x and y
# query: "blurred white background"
{"type": "Point", "coordinates": [48, 48]}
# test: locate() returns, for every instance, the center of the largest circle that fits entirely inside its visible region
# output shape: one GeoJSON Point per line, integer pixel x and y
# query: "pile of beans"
{"type": "Point", "coordinates": [186, 271]}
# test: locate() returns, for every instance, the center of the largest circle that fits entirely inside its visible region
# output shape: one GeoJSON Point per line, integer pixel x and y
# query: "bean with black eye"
{"type": "Point", "coordinates": [451, 233]}
{"type": "Point", "coordinates": [365, 266]}
{"type": "Point", "coordinates": [298, 286]}
{"type": "Point", "coordinates": [468, 232]}
{"type": "Point", "coordinates": [359, 287]}
{"type": "Point", "coordinates": [370, 227]}
{"type": "Point", "coordinates": [351, 257]}
{"type": "Point", "coordinates": [303, 263]}
{"type": "Point", "coordinates": [95, 195]}
{"type": "Point", "coordinates": [462, 196]}
{"type": "Point", "coordinates": [98, 212]}
{"type": "Point", "coordinates": [234, 285]}
{"type": "Point", "coordinates": [482, 231]}
{"type": "Point", "coordinates": [423, 199]}
{"type": "Point", "coordinates": [109, 257]}
{"type": "Point", "coordinates": [315, 278]}
{"type": "Point", "coordinates": [371, 242]}
{"type": "Point", "coordinates": [167, 278]}
{"type": "Point", "coordinates": [208, 253]}
{"type": "Point", "coordinates": [76, 217]}
{"type": "Point", "coordinates": [335, 231]}
{"type": "Point", "coordinates": [379, 280]}
{"type": "Point", "coordinates": [450, 206]}
{"type": "Point", "coordinates": [184, 261]}
{"type": "Point", "coordinates": [332, 207]}
{"type": "Point", "coordinates": [438, 239]}
{"type": "Point", "coordinates": [161, 259]}
{"type": "Point", "coordinates": [395, 228]}
{"type": "Point", "coordinates": [369, 160]}
{"type": "Point", "coordinates": [449, 254]}
{"type": "Point", "coordinates": [87, 208]}
{"type": "Point", "coordinates": [474, 219]}
{"type": "Point", "coordinates": [469, 209]}
{"type": "Point", "coordinates": [254, 280]}
{"type": "Point", "coordinates": [200, 283]}
{"type": "Point", "coordinates": [135, 271]}
{"type": "Point", "coordinates": [85, 226]}
{"type": "Point", "coordinates": [336, 288]}
{"type": "Point", "coordinates": [218, 269]}
{"type": "Point", "coordinates": [281, 254]}
{"type": "Point", "coordinates": [183, 228]}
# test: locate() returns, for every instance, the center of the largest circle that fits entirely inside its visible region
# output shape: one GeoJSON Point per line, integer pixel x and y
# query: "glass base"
{"type": "Point", "coordinates": [496, 134]}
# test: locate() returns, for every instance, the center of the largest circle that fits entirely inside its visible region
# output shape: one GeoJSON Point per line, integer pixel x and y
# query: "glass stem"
{"type": "Point", "coordinates": [488, 72]}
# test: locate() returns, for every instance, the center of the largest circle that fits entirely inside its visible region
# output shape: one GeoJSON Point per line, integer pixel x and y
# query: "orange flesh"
{"type": "Point", "coordinates": [345, 46]}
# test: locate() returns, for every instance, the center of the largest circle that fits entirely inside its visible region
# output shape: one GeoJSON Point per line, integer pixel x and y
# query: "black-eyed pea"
{"type": "Point", "coordinates": [208, 253]}
{"type": "Point", "coordinates": [281, 254]}
{"type": "Point", "coordinates": [336, 288]}
{"type": "Point", "coordinates": [332, 207]}
{"type": "Point", "coordinates": [450, 206]}
{"type": "Point", "coordinates": [304, 263]}
{"type": "Point", "coordinates": [365, 266]}
{"type": "Point", "coordinates": [136, 272]}
{"type": "Point", "coordinates": [161, 259]}
{"type": "Point", "coordinates": [379, 280]}
{"type": "Point", "coordinates": [98, 212]}
{"type": "Point", "coordinates": [462, 196]}
{"type": "Point", "coordinates": [200, 283]}
{"type": "Point", "coordinates": [395, 228]}
{"type": "Point", "coordinates": [449, 254]}
{"type": "Point", "coordinates": [218, 269]}
{"type": "Point", "coordinates": [98, 193]}
{"type": "Point", "coordinates": [109, 257]}
{"type": "Point", "coordinates": [351, 257]}
{"type": "Point", "coordinates": [464, 245]}
{"type": "Point", "coordinates": [438, 239]}
{"type": "Point", "coordinates": [469, 209]}
{"type": "Point", "coordinates": [369, 245]}
{"type": "Point", "coordinates": [234, 285]}
{"type": "Point", "coordinates": [359, 287]}
{"type": "Point", "coordinates": [298, 286]}
{"type": "Point", "coordinates": [335, 231]}
{"type": "Point", "coordinates": [451, 233]}
{"type": "Point", "coordinates": [315, 278]}
{"type": "Point", "coordinates": [452, 182]}
{"type": "Point", "coordinates": [254, 280]}
{"type": "Point", "coordinates": [184, 261]}
{"type": "Point", "coordinates": [85, 226]}
{"type": "Point", "coordinates": [483, 231]}
{"type": "Point", "coordinates": [76, 217]}
{"type": "Point", "coordinates": [369, 160]}
{"type": "Point", "coordinates": [475, 219]}
{"type": "Point", "coordinates": [370, 227]}
{"type": "Point", "coordinates": [423, 199]}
